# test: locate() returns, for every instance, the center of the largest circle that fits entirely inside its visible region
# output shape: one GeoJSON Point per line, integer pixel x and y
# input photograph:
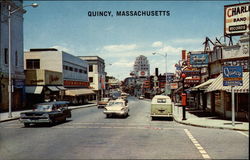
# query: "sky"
{"type": "Point", "coordinates": [66, 25]}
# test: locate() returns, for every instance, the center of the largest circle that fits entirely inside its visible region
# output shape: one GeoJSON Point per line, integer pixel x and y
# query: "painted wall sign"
{"type": "Point", "coordinates": [232, 75]}
{"type": "Point", "coordinates": [199, 60]}
{"type": "Point", "coordinates": [236, 19]}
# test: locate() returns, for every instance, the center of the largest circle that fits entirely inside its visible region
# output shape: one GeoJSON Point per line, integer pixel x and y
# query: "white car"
{"type": "Point", "coordinates": [116, 107]}
{"type": "Point", "coordinates": [141, 97]}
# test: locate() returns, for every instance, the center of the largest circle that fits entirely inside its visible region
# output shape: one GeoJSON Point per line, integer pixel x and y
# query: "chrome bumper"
{"type": "Point", "coordinates": [35, 120]}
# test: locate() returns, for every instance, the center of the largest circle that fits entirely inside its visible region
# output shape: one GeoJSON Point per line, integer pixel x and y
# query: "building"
{"type": "Point", "coordinates": [43, 85]}
{"type": "Point", "coordinates": [17, 69]}
{"type": "Point", "coordinates": [141, 72]}
{"type": "Point", "coordinates": [219, 96]}
{"type": "Point", "coordinates": [96, 74]}
{"type": "Point", "coordinates": [129, 85]}
{"type": "Point", "coordinates": [141, 67]}
{"type": "Point", "coordinates": [73, 69]}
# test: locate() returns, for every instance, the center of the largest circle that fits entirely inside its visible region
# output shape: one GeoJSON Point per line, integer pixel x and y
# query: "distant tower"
{"type": "Point", "coordinates": [141, 67]}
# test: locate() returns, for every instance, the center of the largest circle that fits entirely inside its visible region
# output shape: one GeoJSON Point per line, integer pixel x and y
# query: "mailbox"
{"type": "Point", "coordinates": [184, 99]}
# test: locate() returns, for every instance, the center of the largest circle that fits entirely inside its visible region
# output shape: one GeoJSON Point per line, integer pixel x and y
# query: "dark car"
{"type": "Point", "coordinates": [49, 112]}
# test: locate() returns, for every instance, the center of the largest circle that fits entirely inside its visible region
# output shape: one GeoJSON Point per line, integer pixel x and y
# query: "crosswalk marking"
{"type": "Point", "coordinates": [243, 133]}
{"type": "Point", "coordinates": [197, 145]}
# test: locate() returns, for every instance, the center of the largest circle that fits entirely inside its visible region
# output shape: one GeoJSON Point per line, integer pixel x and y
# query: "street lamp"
{"type": "Point", "coordinates": [10, 12]}
{"type": "Point", "coordinates": [165, 55]}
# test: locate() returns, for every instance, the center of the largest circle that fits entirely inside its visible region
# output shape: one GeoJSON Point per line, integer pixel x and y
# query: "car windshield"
{"type": "Point", "coordinates": [115, 103]}
{"type": "Point", "coordinates": [161, 100]}
{"type": "Point", "coordinates": [43, 107]}
{"type": "Point", "coordinates": [104, 99]}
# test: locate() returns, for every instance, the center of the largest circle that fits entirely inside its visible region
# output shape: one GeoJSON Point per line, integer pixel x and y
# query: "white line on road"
{"type": "Point", "coordinates": [243, 133]}
{"type": "Point", "coordinates": [197, 145]}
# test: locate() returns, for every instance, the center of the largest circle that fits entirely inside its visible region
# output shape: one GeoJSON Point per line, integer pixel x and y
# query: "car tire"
{"type": "Point", "coordinates": [108, 115]}
{"type": "Point", "coordinates": [26, 124]}
{"type": "Point", "coordinates": [64, 119]}
{"type": "Point", "coordinates": [53, 122]}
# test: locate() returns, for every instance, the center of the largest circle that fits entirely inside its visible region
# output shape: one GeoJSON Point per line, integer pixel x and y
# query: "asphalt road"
{"type": "Point", "coordinates": [90, 135]}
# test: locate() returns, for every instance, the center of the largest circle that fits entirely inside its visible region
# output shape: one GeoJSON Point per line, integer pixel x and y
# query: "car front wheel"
{"type": "Point", "coordinates": [26, 124]}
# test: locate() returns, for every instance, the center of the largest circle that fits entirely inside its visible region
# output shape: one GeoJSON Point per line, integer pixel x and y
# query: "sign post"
{"type": "Point", "coordinates": [232, 76]}
{"type": "Point", "coordinates": [233, 107]}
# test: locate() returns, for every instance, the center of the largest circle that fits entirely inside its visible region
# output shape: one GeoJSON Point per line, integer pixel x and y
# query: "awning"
{"type": "Point", "coordinates": [33, 89]}
{"type": "Point", "coordinates": [53, 88]}
{"type": "Point", "coordinates": [61, 88]}
{"type": "Point", "coordinates": [79, 92]}
{"type": "Point", "coordinates": [204, 85]}
{"type": "Point", "coordinates": [218, 85]}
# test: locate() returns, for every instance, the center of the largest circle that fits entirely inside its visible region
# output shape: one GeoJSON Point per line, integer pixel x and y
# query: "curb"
{"type": "Point", "coordinates": [15, 118]}
{"type": "Point", "coordinates": [204, 126]}
{"type": "Point", "coordinates": [11, 119]}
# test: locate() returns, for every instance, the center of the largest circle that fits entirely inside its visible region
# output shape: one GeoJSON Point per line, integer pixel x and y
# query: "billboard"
{"type": "Point", "coordinates": [236, 19]}
{"type": "Point", "coordinates": [232, 76]}
{"type": "Point", "coordinates": [199, 60]}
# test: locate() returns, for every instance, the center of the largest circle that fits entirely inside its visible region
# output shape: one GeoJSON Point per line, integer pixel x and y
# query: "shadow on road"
{"type": "Point", "coordinates": [46, 125]}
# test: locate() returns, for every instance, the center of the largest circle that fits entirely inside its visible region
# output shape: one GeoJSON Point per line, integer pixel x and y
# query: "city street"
{"type": "Point", "coordinates": [90, 135]}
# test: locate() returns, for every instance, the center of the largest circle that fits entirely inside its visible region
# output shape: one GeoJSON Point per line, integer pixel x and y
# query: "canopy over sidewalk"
{"type": "Point", "coordinates": [218, 85]}
{"type": "Point", "coordinates": [79, 92]}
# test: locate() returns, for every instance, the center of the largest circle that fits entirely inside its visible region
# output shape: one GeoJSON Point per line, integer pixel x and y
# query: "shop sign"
{"type": "Point", "coordinates": [76, 83]}
{"type": "Point", "coordinates": [189, 72]}
{"type": "Point", "coordinates": [18, 83]}
{"type": "Point", "coordinates": [173, 85]}
{"type": "Point", "coordinates": [232, 76]}
{"type": "Point", "coordinates": [146, 84]}
{"type": "Point", "coordinates": [236, 51]}
{"type": "Point", "coordinates": [199, 60]}
{"type": "Point", "coordinates": [142, 74]}
{"type": "Point", "coordinates": [53, 78]}
{"type": "Point", "coordinates": [192, 81]}
{"type": "Point", "coordinates": [36, 81]}
{"type": "Point", "coordinates": [236, 19]}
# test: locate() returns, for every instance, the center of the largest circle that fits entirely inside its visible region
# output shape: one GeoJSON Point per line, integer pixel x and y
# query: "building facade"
{"type": "Point", "coordinates": [141, 67]}
{"type": "Point", "coordinates": [141, 72]}
{"type": "Point", "coordinates": [96, 74]}
{"type": "Point", "coordinates": [219, 96]}
{"type": "Point", "coordinates": [17, 66]}
{"type": "Point", "coordinates": [73, 69]}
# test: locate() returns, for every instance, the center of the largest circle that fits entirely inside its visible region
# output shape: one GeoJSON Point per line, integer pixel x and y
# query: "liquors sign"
{"type": "Point", "coordinates": [232, 76]}
{"type": "Point", "coordinates": [236, 19]}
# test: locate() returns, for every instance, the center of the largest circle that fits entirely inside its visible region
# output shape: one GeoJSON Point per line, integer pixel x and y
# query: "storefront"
{"type": "Point", "coordinates": [79, 96]}
{"type": "Point", "coordinates": [220, 97]}
{"type": "Point", "coordinates": [43, 85]}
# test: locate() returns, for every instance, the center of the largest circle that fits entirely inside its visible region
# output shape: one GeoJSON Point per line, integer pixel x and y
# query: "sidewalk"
{"type": "Point", "coordinates": [207, 121]}
{"type": "Point", "coordinates": [16, 114]}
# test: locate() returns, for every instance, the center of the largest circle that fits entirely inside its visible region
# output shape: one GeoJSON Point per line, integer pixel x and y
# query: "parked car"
{"type": "Point", "coordinates": [116, 107]}
{"type": "Point", "coordinates": [141, 97]}
{"type": "Point", "coordinates": [103, 102]}
{"type": "Point", "coordinates": [49, 112]}
{"type": "Point", "coordinates": [161, 106]}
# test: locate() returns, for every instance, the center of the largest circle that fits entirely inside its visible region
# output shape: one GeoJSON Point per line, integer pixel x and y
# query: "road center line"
{"type": "Point", "coordinates": [243, 133]}
{"type": "Point", "coordinates": [197, 145]}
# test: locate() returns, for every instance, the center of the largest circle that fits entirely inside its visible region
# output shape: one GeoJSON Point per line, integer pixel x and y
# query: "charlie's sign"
{"type": "Point", "coordinates": [236, 18]}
